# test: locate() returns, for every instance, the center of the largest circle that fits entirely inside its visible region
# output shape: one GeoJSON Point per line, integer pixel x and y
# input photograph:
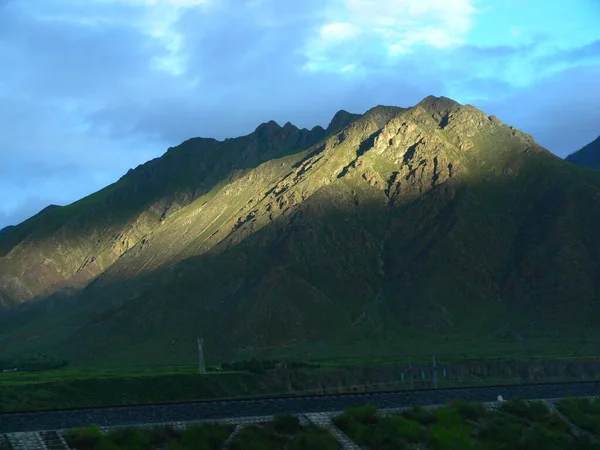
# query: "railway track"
{"type": "Point", "coordinates": [206, 410]}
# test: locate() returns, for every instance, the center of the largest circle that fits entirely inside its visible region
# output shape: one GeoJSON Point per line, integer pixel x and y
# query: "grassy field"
{"type": "Point", "coordinates": [73, 387]}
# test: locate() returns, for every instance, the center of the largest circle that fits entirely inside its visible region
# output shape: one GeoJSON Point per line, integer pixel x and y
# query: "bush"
{"type": "Point", "coordinates": [363, 414]}
{"type": "Point", "coordinates": [314, 439]}
{"type": "Point", "coordinates": [88, 438]}
{"type": "Point", "coordinates": [203, 437]}
{"type": "Point", "coordinates": [447, 416]}
{"type": "Point", "coordinates": [407, 429]}
{"type": "Point", "coordinates": [538, 438]}
{"type": "Point", "coordinates": [581, 411]}
{"type": "Point", "coordinates": [501, 430]}
{"type": "Point", "coordinates": [455, 436]}
{"type": "Point", "coordinates": [257, 437]}
{"type": "Point", "coordinates": [161, 435]}
{"type": "Point", "coordinates": [286, 423]}
{"type": "Point", "coordinates": [419, 414]}
{"type": "Point", "coordinates": [130, 438]}
{"type": "Point", "coordinates": [469, 411]}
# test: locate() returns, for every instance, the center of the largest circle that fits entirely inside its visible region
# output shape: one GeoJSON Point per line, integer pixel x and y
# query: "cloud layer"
{"type": "Point", "coordinates": [90, 89]}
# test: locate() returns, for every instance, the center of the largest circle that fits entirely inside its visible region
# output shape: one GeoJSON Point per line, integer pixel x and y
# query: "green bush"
{"type": "Point", "coordinates": [584, 442]}
{"type": "Point", "coordinates": [582, 412]}
{"type": "Point", "coordinates": [162, 435]}
{"type": "Point", "coordinates": [469, 411]}
{"type": "Point", "coordinates": [419, 414]}
{"type": "Point", "coordinates": [87, 438]}
{"type": "Point", "coordinates": [406, 429]}
{"type": "Point", "coordinates": [286, 423]}
{"type": "Point", "coordinates": [450, 436]}
{"type": "Point", "coordinates": [500, 431]}
{"type": "Point", "coordinates": [202, 437]}
{"type": "Point", "coordinates": [364, 414]}
{"type": "Point", "coordinates": [392, 433]}
{"type": "Point", "coordinates": [520, 408]}
{"type": "Point", "coordinates": [257, 437]}
{"type": "Point", "coordinates": [314, 439]}
{"type": "Point", "coordinates": [447, 416]}
{"type": "Point", "coordinates": [539, 438]}
{"type": "Point", "coordinates": [130, 438]}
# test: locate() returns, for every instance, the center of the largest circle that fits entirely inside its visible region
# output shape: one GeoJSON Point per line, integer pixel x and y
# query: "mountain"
{"type": "Point", "coordinates": [402, 230]}
{"type": "Point", "coordinates": [588, 156]}
{"type": "Point", "coordinates": [6, 229]}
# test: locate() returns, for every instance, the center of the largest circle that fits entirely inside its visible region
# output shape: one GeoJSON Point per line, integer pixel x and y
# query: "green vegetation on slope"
{"type": "Point", "coordinates": [515, 424]}
{"type": "Point", "coordinates": [196, 437]}
{"type": "Point", "coordinates": [412, 231]}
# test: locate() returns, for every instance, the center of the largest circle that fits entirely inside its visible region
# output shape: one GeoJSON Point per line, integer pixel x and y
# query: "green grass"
{"type": "Point", "coordinates": [284, 433]}
{"type": "Point", "coordinates": [196, 437]}
{"type": "Point", "coordinates": [460, 425]}
{"type": "Point", "coordinates": [72, 387]}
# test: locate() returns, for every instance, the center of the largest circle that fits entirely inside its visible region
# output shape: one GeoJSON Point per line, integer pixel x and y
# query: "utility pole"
{"type": "Point", "coordinates": [410, 371]}
{"type": "Point", "coordinates": [201, 367]}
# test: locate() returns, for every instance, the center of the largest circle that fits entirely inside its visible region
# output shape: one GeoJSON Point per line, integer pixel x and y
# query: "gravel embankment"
{"type": "Point", "coordinates": [130, 415]}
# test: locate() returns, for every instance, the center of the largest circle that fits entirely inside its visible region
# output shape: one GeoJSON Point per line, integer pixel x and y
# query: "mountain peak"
{"type": "Point", "coordinates": [341, 119]}
{"type": "Point", "coordinates": [267, 128]}
{"type": "Point", "coordinates": [438, 104]}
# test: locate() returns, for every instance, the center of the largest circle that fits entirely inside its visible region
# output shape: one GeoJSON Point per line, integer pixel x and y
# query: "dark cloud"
{"type": "Point", "coordinates": [561, 111]}
{"type": "Point", "coordinates": [576, 55]}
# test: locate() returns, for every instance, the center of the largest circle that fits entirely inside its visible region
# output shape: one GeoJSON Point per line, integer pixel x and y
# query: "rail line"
{"type": "Point", "coordinates": [300, 404]}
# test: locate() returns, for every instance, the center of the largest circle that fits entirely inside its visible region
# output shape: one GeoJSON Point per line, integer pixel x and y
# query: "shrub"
{"type": "Point", "coordinates": [203, 437]}
{"type": "Point", "coordinates": [87, 438]}
{"type": "Point", "coordinates": [130, 438]}
{"type": "Point", "coordinates": [501, 430]}
{"type": "Point", "coordinates": [447, 416]}
{"type": "Point", "coordinates": [364, 414]}
{"type": "Point", "coordinates": [161, 435]}
{"type": "Point", "coordinates": [469, 411]}
{"type": "Point", "coordinates": [314, 439]}
{"type": "Point", "coordinates": [419, 414]}
{"type": "Point", "coordinates": [450, 437]}
{"type": "Point", "coordinates": [539, 438]}
{"type": "Point", "coordinates": [286, 423]}
{"type": "Point", "coordinates": [256, 437]}
{"type": "Point", "coordinates": [407, 429]}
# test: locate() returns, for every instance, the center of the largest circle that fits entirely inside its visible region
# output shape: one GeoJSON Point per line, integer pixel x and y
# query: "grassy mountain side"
{"type": "Point", "coordinates": [68, 246]}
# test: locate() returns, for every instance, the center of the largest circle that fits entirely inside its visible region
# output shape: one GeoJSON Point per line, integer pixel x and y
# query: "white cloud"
{"type": "Point", "coordinates": [338, 31]}
{"type": "Point", "coordinates": [176, 3]}
{"type": "Point", "coordinates": [393, 27]}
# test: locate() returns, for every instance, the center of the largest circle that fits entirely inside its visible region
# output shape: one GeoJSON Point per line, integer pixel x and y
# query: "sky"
{"type": "Point", "coordinates": [89, 89]}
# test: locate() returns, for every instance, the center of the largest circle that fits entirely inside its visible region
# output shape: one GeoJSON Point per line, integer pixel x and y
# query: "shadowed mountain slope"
{"type": "Point", "coordinates": [588, 156]}
{"type": "Point", "coordinates": [434, 221]}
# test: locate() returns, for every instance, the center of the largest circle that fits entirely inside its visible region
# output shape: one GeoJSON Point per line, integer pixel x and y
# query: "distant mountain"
{"type": "Point", "coordinates": [6, 229]}
{"type": "Point", "coordinates": [588, 156]}
{"type": "Point", "coordinates": [419, 228]}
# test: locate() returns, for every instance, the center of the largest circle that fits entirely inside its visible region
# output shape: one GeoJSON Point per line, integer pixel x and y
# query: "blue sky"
{"type": "Point", "coordinates": [92, 88]}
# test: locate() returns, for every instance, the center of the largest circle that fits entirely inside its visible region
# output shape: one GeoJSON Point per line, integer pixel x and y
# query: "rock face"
{"type": "Point", "coordinates": [436, 222]}
{"type": "Point", "coordinates": [588, 156]}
